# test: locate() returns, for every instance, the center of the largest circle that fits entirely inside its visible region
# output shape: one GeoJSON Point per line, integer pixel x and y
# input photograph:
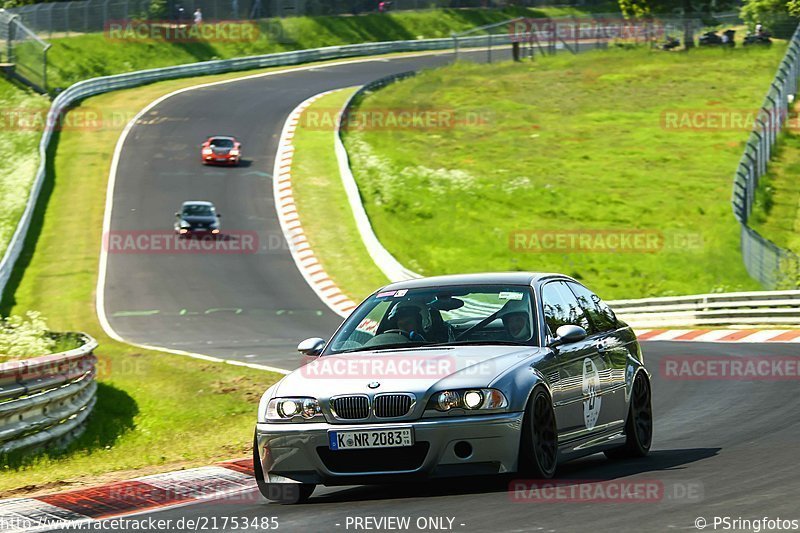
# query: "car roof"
{"type": "Point", "coordinates": [229, 137]}
{"type": "Point", "coordinates": [487, 278]}
{"type": "Point", "coordinates": [197, 202]}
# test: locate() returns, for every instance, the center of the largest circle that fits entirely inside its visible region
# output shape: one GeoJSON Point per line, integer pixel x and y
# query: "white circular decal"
{"type": "Point", "coordinates": [591, 388]}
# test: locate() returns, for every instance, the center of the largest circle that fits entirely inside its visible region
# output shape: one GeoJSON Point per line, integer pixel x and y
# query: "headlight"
{"type": "Point", "coordinates": [469, 399]}
{"type": "Point", "coordinates": [207, 151]}
{"type": "Point", "coordinates": [283, 409]}
{"type": "Point", "coordinates": [234, 152]}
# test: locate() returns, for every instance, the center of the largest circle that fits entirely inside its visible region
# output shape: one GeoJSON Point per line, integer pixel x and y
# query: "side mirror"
{"type": "Point", "coordinates": [568, 334]}
{"type": "Point", "coordinates": [312, 346]}
{"type": "Point", "coordinates": [177, 214]}
{"type": "Point", "coordinates": [219, 216]}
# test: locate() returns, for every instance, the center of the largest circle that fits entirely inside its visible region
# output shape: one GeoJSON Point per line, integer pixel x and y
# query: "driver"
{"type": "Point", "coordinates": [517, 320]}
{"type": "Point", "coordinates": [408, 319]}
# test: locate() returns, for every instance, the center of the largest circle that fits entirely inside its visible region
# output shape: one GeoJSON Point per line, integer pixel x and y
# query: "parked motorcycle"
{"type": "Point", "coordinates": [712, 38]}
{"type": "Point", "coordinates": [670, 43]}
{"type": "Point", "coordinates": [761, 38]}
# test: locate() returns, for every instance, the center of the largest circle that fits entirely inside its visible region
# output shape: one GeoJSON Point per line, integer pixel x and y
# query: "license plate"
{"type": "Point", "coordinates": [370, 438]}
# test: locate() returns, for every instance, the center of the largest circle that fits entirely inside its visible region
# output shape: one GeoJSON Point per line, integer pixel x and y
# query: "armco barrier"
{"type": "Point", "coordinates": [723, 309]}
{"type": "Point", "coordinates": [46, 399]}
{"type": "Point", "coordinates": [86, 88]}
{"type": "Point", "coordinates": [390, 266]}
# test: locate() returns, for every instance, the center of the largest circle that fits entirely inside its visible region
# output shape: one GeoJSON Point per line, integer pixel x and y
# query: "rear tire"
{"type": "Point", "coordinates": [639, 424]}
{"type": "Point", "coordinates": [538, 455]}
{"type": "Point", "coordinates": [285, 493]}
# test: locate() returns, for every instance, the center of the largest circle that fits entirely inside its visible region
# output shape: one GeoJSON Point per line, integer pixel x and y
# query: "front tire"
{"type": "Point", "coordinates": [539, 446]}
{"type": "Point", "coordinates": [639, 424]}
{"type": "Point", "coordinates": [285, 493]}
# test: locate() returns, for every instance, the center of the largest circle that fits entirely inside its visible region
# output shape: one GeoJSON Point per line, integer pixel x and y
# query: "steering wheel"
{"type": "Point", "coordinates": [404, 333]}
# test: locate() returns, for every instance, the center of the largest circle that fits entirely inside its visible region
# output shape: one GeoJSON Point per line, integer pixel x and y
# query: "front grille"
{"type": "Point", "coordinates": [350, 407]}
{"type": "Point", "coordinates": [392, 405]}
{"type": "Point", "coordinates": [379, 460]}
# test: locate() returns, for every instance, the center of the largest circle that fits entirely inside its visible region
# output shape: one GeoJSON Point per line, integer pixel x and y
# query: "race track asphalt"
{"type": "Point", "coordinates": [721, 448]}
{"type": "Point", "coordinates": [252, 307]}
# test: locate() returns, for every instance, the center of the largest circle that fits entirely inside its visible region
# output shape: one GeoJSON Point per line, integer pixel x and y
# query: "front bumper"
{"type": "Point", "coordinates": [221, 160]}
{"type": "Point", "coordinates": [299, 452]}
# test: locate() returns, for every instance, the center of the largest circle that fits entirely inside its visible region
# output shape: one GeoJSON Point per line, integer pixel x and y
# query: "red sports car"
{"type": "Point", "coordinates": [221, 150]}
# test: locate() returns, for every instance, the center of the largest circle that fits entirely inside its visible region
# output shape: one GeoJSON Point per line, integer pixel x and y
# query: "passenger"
{"type": "Point", "coordinates": [517, 320]}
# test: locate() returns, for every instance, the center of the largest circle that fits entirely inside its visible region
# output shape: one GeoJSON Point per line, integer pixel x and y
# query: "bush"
{"type": "Point", "coordinates": [25, 337]}
{"type": "Point", "coordinates": [777, 16]}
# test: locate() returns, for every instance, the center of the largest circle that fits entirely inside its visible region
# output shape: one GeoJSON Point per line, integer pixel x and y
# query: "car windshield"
{"type": "Point", "coordinates": [198, 210]}
{"type": "Point", "coordinates": [221, 143]}
{"type": "Point", "coordinates": [447, 316]}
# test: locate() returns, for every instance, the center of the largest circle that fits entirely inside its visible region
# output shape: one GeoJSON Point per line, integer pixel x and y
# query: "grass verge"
{"type": "Point", "coordinates": [19, 110]}
{"type": "Point", "coordinates": [137, 427]}
{"type": "Point", "coordinates": [776, 214]}
{"type": "Point", "coordinates": [322, 202]}
{"type": "Point", "coordinates": [567, 144]}
{"type": "Point", "coordinates": [89, 55]}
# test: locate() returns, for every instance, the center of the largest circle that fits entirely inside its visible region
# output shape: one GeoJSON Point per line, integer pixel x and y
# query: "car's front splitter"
{"type": "Point", "coordinates": [487, 444]}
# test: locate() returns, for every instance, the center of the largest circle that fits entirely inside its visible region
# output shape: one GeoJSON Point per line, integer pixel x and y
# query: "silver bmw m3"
{"type": "Point", "coordinates": [454, 376]}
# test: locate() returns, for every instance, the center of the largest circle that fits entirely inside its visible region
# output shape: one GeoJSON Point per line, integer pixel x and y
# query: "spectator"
{"type": "Point", "coordinates": [198, 16]}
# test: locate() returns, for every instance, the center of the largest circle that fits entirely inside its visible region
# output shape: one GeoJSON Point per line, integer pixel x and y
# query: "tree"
{"type": "Point", "coordinates": [778, 16]}
{"type": "Point", "coordinates": [685, 9]}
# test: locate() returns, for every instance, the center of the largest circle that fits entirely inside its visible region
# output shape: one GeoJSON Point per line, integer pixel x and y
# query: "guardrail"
{"type": "Point", "coordinates": [723, 309]}
{"type": "Point", "coordinates": [94, 86]}
{"type": "Point", "coordinates": [46, 399]}
{"type": "Point", "coordinates": [391, 267]}
{"type": "Point", "coordinates": [771, 265]}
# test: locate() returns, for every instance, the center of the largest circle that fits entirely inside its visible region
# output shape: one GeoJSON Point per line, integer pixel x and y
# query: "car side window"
{"type": "Point", "coordinates": [599, 313]}
{"type": "Point", "coordinates": [561, 307]}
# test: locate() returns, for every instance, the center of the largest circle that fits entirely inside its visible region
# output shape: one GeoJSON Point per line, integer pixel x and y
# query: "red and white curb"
{"type": "Point", "coordinates": [230, 480]}
{"type": "Point", "coordinates": [289, 219]}
{"type": "Point", "coordinates": [719, 335]}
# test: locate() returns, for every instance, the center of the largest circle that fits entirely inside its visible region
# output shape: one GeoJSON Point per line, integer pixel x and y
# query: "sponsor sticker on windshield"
{"type": "Point", "coordinates": [385, 294]}
{"type": "Point", "coordinates": [400, 293]}
{"type": "Point", "coordinates": [510, 296]}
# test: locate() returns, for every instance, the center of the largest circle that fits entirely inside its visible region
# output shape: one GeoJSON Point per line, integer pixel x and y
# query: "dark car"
{"type": "Point", "coordinates": [221, 150]}
{"type": "Point", "coordinates": [197, 217]}
{"type": "Point", "coordinates": [453, 376]}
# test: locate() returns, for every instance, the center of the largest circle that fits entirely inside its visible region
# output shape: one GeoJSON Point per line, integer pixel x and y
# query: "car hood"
{"type": "Point", "coordinates": [419, 371]}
